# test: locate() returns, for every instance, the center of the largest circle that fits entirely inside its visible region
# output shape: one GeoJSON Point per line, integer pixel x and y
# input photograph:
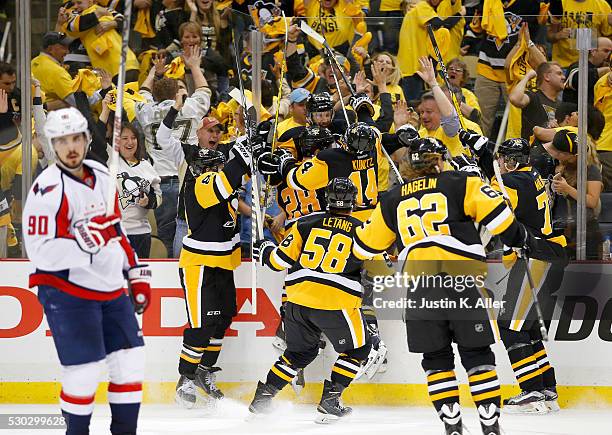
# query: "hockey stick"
{"type": "Point", "coordinates": [249, 116]}
{"type": "Point", "coordinates": [500, 181]}
{"type": "Point", "coordinates": [113, 165]}
{"type": "Point", "coordinates": [321, 40]}
{"type": "Point", "coordinates": [264, 204]}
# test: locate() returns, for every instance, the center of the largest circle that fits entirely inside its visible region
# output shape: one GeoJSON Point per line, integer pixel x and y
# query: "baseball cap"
{"type": "Point", "coordinates": [298, 95]}
{"type": "Point", "coordinates": [565, 141]}
{"type": "Point", "coordinates": [51, 38]}
{"type": "Point", "coordinates": [209, 121]}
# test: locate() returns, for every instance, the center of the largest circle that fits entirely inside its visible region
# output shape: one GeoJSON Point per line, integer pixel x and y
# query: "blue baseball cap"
{"type": "Point", "coordinates": [298, 95]}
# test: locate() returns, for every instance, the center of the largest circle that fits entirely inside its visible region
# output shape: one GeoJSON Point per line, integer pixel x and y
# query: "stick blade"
{"type": "Point", "coordinates": [312, 33]}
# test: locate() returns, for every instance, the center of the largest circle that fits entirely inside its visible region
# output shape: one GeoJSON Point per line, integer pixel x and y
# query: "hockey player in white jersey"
{"type": "Point", "coordinates": [160, 94]}
{"type": "Point", "coordinates": [80, 256]}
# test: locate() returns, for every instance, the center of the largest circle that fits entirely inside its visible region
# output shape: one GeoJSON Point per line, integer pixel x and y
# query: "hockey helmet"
{"type": "Point", "coordinates": [423, 148]}
{"type": "Point", "coordinates": [340, 194]}
{"type": "Point", "coordinates": [204, 160]}
{"type": "Point", "coordinates": [65, 122]}
{"type": "Point", "coordinates": [515, 150]}
{"type": "Point", "coordinates": [313, 139]}
{"type": "Point", "coordinates": [321, 102]}
{"type": "Point", "coordinates": [360, 138]}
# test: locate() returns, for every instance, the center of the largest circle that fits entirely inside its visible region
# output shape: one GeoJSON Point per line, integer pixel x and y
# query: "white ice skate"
{"type": "Point", "coordinates": [550, 399]}
{"type": "Point", "coordinates": [376, 362]}
{"type": "Point", "coordinates": [527, 402]}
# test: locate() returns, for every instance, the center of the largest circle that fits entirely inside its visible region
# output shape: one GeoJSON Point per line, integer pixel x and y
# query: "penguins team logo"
{"type": "Point", "coordinates": [131, 189]}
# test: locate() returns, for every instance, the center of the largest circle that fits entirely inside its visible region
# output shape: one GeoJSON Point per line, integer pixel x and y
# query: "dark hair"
{"type": "Point", "coordinates": [596, 122]}
{"type": "Point", "coordinates": [7, 68]}
{"type": "Point", "coordinates": [141, 153]}
{"type": "Point", "coordinates": [542, 69]}
{"type": "Point", "coordinates": [164, 89]}
{"type": "Point", "coordinates": [565, 109]}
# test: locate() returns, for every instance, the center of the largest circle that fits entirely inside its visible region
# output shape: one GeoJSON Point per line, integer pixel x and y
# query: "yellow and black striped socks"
{"type": "Point", "coordinates": [443, 388]}
{"type": "Point", "coordinates": [486, 393]}
{"type": "Point", "coordinates": [525, 367]}
{"type": "Point", "coordinates": [345, 369]}
{"type": "Point", "coordinates": [547, 371]}
{"type": "Point", "coordinates": [189, 359]}
{"type": "Point", "coordinates": [211, 352]}
{"type": "Point", "coordinates": [281, 373]}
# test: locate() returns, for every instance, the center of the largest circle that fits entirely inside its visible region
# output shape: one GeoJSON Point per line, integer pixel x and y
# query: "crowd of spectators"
{"type": "Point", "coordinates": [193, 55]}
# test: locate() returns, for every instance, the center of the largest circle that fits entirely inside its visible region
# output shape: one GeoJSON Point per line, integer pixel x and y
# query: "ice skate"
{"type": "Point", "coordinates": [489, 419]}
{"type": "Point", "coordinates": [279, 339]}
{"type": "Point", "coordinates": [451, 416]}
{"type": "Point", "coordinates": [298, 382]}
{"type": "Point", "coordinates": [376, 362]}
{"type": "Point", "coordinates": [330, 407]}
{"type": "Point", "coordinates": [550, 399]}
{"type": "Point", "coordinates": [205, 380]}
{"type": "Point", "coordinates": [185, 392]}
{"type": "Point", "coordinates": [262, 402]}
{"type": "Point", "coordinates": [527, 402]}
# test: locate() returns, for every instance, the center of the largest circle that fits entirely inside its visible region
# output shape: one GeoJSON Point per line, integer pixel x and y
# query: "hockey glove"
{"type": "Point", "coordinates": [360, 102]}
{"type": "Point", "coordinates": [464, 163]}
{"type": "Point", "coordinates": [472, 140]}
{"type": "Point", "coordinates": [139, 280]}
{"type": "Point", "coordinates": [406, 135]}
{"type": "Point", "coordinates": [241, 151]}
{"type": "Point", "coordinates": [259, 147]}
{"type": "Point", "coordinates": [259, 250]}
{"type": "Point", "coordinates": [92, 235]}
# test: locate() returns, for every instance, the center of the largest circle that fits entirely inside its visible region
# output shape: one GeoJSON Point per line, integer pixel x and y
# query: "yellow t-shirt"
{"type": "Point", "coordinates": [104, 51]}
{"type": "Point", "coordinates": [593, 13]}
{"type": "Point", "coordinates": [336, 26]}
{"type": "Point", "coordinates": [603, 101]}
{"type": "Point", "coordinates": [54, 80]}
{"type": "Point", "coordinates": [397, 93]}
{"type": "Point", "coordinates": [454, 145]}
{"type": "Point", "coordinates": [413, 38]}
{"type": "Point", "coordinates": [447, 9]}
{"type": "Point", "coordinates": [390, 5]}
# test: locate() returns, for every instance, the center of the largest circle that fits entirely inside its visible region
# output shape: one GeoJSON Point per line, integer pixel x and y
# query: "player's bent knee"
{"type": "Point", "coordinates": [476, 356]}
{"type": "Point", "coordinates": [223, 322]}
{"type": "Point", "coordinates": [79, 384]}
{"type": "Point", "coordinates": [197, 337]}
{"type": "Point", "coordinates": [302, 359]}
{"type": "Point", "coordinates": [361, 353]}
{"type": "Point", "coordinates": [442, 359]}
{"type": "Point", "coordinates": [510, 338]}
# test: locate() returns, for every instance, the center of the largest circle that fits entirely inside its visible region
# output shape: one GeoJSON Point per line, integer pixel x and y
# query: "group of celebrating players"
{"type": "Point", "coordinates": [342, 220]}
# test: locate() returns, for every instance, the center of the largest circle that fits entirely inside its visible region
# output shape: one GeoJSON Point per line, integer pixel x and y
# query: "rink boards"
{"type": "Point", "coordinates": [581, 350]}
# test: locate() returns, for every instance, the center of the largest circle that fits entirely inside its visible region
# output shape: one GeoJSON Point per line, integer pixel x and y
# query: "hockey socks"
{"type": "Point", "coordinates": [485, 389]}
{"type": "Point", "coordinates": [444, 394]}
{"type": "Point", "coordinates": [344, 370]}
{"type": "Point", "coordinates": [281, 373]}
{"type": "Point", "coordinates": [547, 371]}
{"type": "Point", "coordinates": [77, 412]}
{"type": "Point", "coordinates": [191, 356]}
{"type": "Point", "coordinates": [525, 366]}
{"type": "Point", "coordinates": [211, 352]}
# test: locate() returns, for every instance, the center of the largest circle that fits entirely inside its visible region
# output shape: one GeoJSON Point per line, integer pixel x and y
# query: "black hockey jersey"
{"type": "Point", "coordinates": [323, 273]}
{"type": "Point", "coordinates": [211, 204]}
{"type": "Point", "coordinates": [432, 218]}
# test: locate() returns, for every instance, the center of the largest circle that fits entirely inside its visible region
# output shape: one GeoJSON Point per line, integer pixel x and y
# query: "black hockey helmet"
{"type": "Point", "coordinates": [321, 102]}
{"type": "Point", "coordinates": [340, 194]}
{"type": "Point", "coordinates": [312, 139]}
{"type": "Point", "coordinates": [424, 147]}
{"type": "Point", "coordinates": [515, 150]}
{"type": "Point", "coordinates": [204, 160]}
{"type": "Point", "coordinates": [360, 138]}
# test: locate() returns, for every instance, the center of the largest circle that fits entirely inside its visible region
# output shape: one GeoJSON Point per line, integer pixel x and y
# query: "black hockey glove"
{"type": "Point", "coordinates": [361, 101]}
{"type": "Point", "coordinates": [472, 140]}
{"type": "Point", "coordinates": [464, 163]}
{"type": "Point", "coordinates": [259, 250]}
{"type": "Point", "coordinates": [406, 135]}
{"type": "Point", "coordinates": [259, 147]}
{"type": "Point", "coordinates": [241, 152]}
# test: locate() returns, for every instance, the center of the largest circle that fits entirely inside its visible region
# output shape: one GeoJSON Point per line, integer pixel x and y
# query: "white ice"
{"type": "Point", "coordinates": [230, 418]}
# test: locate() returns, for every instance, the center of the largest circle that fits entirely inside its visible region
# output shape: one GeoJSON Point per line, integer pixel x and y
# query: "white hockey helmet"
{"type": "Point", "coordinates": [64, 122]}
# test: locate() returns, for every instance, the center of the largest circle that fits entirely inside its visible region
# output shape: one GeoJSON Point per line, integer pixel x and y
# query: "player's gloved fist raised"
{"type": "Point", "coordinates": [472, 139]}
{"type": "Point", "coordinates": [260, 146]}
{"type": "Point", "coordinates": [526, 243]}
{"type": "Point", "coordinates": [97, 232]}
{"type": "Point", "coordinates": [259, 250]}
{"type": "Point", "coordinates": [139, 279]}
{"type": "Point", "coordinates": [241, 152]}
{"type": "Point", "coordinates": [464, 163]}
{"type": "Point", "coordinates": [361, 101]}
{"type": "Point", "coordinates": [406, 135]}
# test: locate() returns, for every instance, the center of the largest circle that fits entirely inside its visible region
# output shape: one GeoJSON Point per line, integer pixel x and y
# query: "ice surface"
{"type": "Point", "coordinates": [230, 418]}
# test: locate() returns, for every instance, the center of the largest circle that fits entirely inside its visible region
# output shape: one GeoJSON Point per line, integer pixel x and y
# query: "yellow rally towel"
{"type": "Point", "coordinates": [87, 81]}
{"type": "Point", "coordinates": [519, 64]}
{"type": "Point", "coordinates": [543, 17]}
{"type": "Point", "coordinates": [493, 20]}
{"type": "Point", "coordinates": [361, 42]}
{"type": "Point", "coordinates": [130, 98]}
{"type": "Point", "coordinates": [143, 23]}
{"type": "Point", "coordinates": [176, 69]}
{"type": "Point", "coordinates": [146, 62]}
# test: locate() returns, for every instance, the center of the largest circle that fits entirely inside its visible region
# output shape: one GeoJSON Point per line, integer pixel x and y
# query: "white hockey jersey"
{"type": "Point", "coordinates": [56, 201]}
{"type": "Point", "coordinates": [132, 181]}
{"type": "Point", "coordinates": [150, 115]}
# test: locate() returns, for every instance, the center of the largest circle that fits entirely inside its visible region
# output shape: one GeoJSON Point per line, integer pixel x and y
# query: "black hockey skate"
{"type": "Point", "coordinates": [527, 402]}
{"type": "Point", "coordinates": [451, 416]}
{"type": "Point", "coordinates": [550, 399]}
{"type": "Point", "coordinates": [262, 402]}
{"type": "Point", "coordinates": [205, 380]}
{"type": "Point", "coordinates": [489, 419]}
{"type": "Point", "coordinates": [185, 392]}
{"type": "Point", "coordinates": [330, 407]}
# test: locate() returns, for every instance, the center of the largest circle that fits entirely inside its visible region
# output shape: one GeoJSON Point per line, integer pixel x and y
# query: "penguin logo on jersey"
{"type": "Point", "coordinates": [131, 189]}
